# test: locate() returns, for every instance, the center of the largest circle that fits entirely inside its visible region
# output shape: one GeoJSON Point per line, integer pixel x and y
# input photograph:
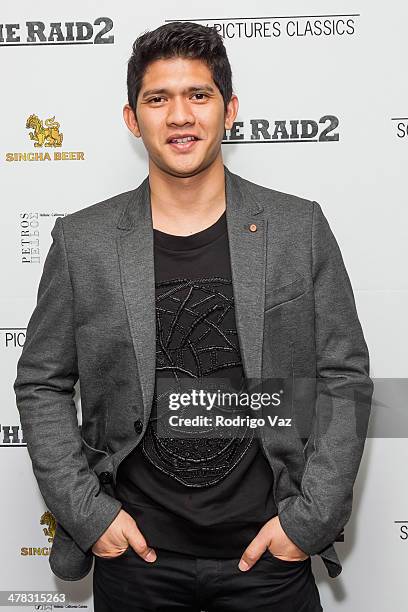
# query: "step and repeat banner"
{"type": "Point", "coordinates": [323, 114]}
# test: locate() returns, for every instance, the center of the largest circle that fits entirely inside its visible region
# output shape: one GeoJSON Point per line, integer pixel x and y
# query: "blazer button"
{"type": "Point", "coordinates": [252, 227]}
{"type": "Point", "coordinates": [138, 426]}
{"type": "Point", "coordinates": [105, 477]}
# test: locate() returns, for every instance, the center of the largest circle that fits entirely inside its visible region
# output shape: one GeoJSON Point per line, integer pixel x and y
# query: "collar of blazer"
{"type": "Point", "coordinates": [248, 262]}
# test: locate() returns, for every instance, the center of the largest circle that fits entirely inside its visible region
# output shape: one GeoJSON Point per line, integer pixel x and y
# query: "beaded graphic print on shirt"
{"type": "Point", "coordinates": [197, 341]}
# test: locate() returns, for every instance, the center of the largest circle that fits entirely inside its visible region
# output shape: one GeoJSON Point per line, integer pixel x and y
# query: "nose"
{"type": "Point", "coordinates": [180, 112]}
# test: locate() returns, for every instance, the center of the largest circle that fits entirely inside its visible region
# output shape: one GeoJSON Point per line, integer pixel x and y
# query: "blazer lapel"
{"type": "Point", "coordinates": [136, 261]}
{"type": "Point", "coordinates": [135, 248]}
{"type": "Point", "coordinates": [248, 265]}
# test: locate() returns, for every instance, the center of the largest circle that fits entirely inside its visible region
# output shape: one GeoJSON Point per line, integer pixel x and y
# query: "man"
{"type": "Point", "coordinates": [195, 278]}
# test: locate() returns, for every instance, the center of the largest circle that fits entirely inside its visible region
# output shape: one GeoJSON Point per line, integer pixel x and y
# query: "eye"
{"type": "Point", "coordinates": [201, 94]}
{"type": "Point", "coordinates": [156, 98]}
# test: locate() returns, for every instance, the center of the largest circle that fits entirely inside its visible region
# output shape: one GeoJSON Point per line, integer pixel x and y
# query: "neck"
{"type": "Point", "coordinates": [184, 206]}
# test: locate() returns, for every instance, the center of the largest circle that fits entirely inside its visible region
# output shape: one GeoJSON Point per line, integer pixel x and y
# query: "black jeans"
{"type": "Point", "coordinates": [180, 582]}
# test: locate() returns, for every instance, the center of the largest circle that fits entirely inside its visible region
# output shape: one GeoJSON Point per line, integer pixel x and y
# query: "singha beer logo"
{"type": "Point", "coordinates": [48, 519]}
{"type": "Point", "coordinates": [50, 525]}
{"type": "Point", "coordinates": [45, 134]}
{"type": "Point", "coordinates": [48, 136]}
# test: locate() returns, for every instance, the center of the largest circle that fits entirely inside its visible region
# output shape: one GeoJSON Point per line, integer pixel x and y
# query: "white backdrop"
{"type": "Point", "coordinates": [283, 71]}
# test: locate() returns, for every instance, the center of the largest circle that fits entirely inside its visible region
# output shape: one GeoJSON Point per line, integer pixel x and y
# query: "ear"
{"type": "Point", "coordinates": [231, 113]}
{"type": "Point", "coordinates": [130, 120]}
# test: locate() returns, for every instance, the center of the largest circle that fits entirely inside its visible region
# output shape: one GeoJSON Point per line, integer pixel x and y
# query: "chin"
{"type": "Point", "coordinates": [183, 170]}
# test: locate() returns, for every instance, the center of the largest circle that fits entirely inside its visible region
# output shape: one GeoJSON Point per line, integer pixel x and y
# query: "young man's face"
{"type": "Point", "coordinates": [179, 98]}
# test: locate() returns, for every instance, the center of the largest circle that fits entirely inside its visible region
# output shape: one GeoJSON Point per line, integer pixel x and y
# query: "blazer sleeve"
{"type": "Point", "coordinates": [46, 374]}
{"type": "Point", "coordinates": [314, 518]}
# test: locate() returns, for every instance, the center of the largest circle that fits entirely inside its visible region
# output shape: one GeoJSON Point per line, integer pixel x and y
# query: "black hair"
{"type": "Point", "coordinates": [179, 39]}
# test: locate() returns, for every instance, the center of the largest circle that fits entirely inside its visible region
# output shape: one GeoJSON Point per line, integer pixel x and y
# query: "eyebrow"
{"type": "Point", "coordinates": [163, 90]}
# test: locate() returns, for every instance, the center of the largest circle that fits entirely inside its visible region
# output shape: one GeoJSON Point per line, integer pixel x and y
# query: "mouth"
{"type": "Point", "coordinates": [184, 144]}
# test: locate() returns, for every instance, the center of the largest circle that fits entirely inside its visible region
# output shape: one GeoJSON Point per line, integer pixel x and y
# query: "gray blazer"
{"type": "Point", "coordinates": [95, 321]}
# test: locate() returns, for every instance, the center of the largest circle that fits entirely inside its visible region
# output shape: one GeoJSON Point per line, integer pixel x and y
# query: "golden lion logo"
{"type": "Point", "coordinates": [48, 136]}
{"type": "Point", "coordinates": [48, 519]}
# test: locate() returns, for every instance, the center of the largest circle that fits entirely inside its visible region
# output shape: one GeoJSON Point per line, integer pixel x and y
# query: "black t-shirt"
{"type": "Point", "coordinates": [206, 494]}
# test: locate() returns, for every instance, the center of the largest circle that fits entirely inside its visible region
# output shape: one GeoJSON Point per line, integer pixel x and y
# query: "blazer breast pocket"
{"type": "Point", "coordinates": [274, 296]}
